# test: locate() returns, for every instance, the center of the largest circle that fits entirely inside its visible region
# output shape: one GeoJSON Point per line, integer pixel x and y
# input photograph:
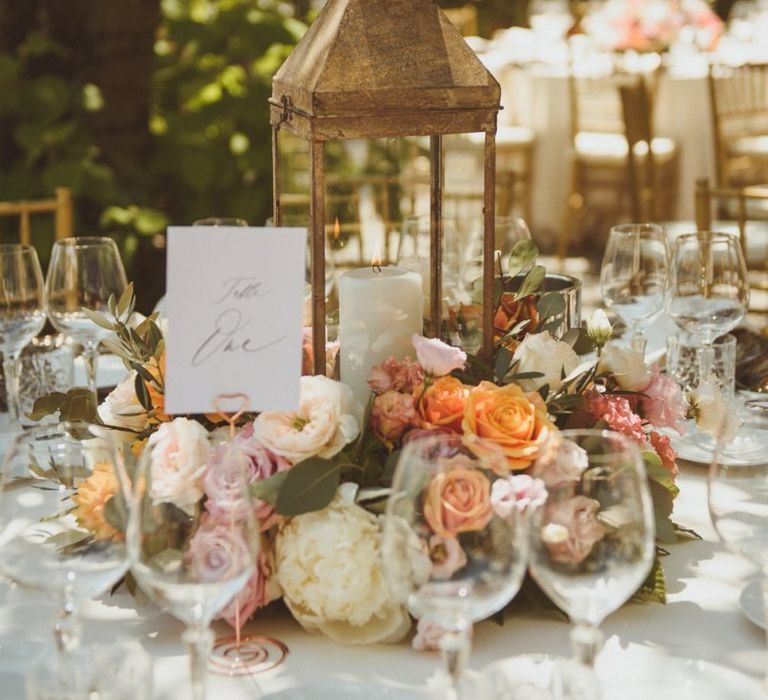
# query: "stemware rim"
{"type": "Point", "coordinates": [711, 235]}
{"type": "Point", "coordinates": [631, 229]}
{"type": "Point", "coordinates": [83, 241]}
{"type": "Point", "coordinates": [7, 248]}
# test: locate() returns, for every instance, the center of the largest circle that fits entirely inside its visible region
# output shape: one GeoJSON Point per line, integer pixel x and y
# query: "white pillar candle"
{"type": "Point", "coordinates": [379, 310]}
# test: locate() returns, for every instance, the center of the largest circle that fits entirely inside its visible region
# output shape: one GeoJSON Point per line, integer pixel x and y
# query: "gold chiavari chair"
{"type": "Point", "coordinates": [739, 111]}
{"type": "Point", "coordinates": [60, 206]}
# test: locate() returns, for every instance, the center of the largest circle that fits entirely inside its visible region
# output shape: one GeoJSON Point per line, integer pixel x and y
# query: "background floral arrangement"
{"type": "Point", "coordinates": [321, 473]}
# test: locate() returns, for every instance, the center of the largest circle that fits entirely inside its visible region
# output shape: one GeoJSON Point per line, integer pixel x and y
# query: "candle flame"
{"type": "Point", "coordinates": [376, 262]}
{"type": "Point", "coordinates": [336, 229]}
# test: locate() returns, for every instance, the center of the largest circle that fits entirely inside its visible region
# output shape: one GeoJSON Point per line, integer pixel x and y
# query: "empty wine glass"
{"type": "Point", "coordinates": [633, 277]}
{"type": "Point", "coordinates": [592, 543]}
{"type": "Point", "coordinates": [22, 314]}
{"type": "Point", "coordinates": [190, 555]}
{"type": "Point", "coordinates": [446, 551]}
{"type": "Point", "coordinates": [62, 516]}
{"type": "Point", "coordinates": [709, 289]}
{"type": "Point", "coordinates": [83, 274]}
{"type": "Point", "coordinates": [738, 489]}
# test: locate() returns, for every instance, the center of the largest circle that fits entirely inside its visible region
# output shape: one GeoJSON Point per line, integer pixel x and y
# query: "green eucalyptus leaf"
{"type": "Point", "coordinates": [532, 281]}
{"type": "Point", "coordinates": [550, 304]}
{"type": "Point", "coordinates": [268, 489]}
{"type": "Point", "coordinates": [523, 255]}
{"type": "Point", "coordinates": [309, 486]}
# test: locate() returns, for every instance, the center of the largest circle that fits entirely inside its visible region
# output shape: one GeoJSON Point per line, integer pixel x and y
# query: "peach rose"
{"type": "Point", "coordinates": [441, 405]}
{"type": "Point", "coordinates": [458, 499]}
{"type": "Point", "coordinates": [509, 420]}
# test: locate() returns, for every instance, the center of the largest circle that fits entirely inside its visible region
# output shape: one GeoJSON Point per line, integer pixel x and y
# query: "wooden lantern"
{"type": "Point", "coordinates": [371, 69]}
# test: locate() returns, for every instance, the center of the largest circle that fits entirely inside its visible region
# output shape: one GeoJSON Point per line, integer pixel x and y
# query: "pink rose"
{"type": "Point", "coordinates": [666, 453]}
{"type": "Point", "coordinates": [562, 461]}
{"type": "Point", "coordinates": [392, 414]}
{"type": "Point", "coordinates": [396, 375]}
{"type": "Point", "coordinates": [447, 557]}
{"type": "Point", "coordinates": [231, 467]}
{"type": "Point", "coordinates": [436, 443]}
{"type": "Point", "coordinates": [519, 492]}
{"type": "Point", "coordinates": [428, 635]}
{"type": "Point", "coordinates": [572, 529]}
{"type": "Point", "coordinates": [249, 599]}
{"type": "Point", "coordinates": [616, 412]}
{"type": "Point", "coordinates": [663, 405]}
{"type": "Point", "coordinates": [219, 552]}
{"type": "Point", "coordinates": [436, 357]}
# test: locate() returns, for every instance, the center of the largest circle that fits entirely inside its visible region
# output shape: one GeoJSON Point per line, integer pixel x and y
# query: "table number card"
{"type": "Point", "coordinates": [234, 307]}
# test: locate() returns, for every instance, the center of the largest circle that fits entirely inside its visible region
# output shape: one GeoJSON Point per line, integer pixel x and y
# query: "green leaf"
{"type": "Point", "coordinates": [655, 470]}
{"type": "Point", "coordinates": [79, 405]}
{"type": "Point", "coordinates": [654, 589]}
{"type": "Point", "coordinates": [519, 327]}
{"type": "Point", "coordinates": [67, 538]}
{"type": "Point", "coordinates": [550, 304]}
{"type": "Point", "coordinates": [662, 508]}
{"type": "Point", "coordinates": [518, 376]}
{"type": "Point", "coordinates": [523, 255]}
{"type": "Point", "coordinates": [532, 281]}
{"type": "Point", "coordinates": [309, 486]}
{"type": "Point", "coordinates": [503, 360]}
{"type": "Point", "coordinates": [46, 405]}
{"type": "Point", "coordinates": [116, 514]}
{"type": "Point", "coordinates": [98, 319]}
{"type": "Point", "coordinates": [579, 340]}
{"type": "Point", "coordinates": [126, 300]}
{"type": "Point", "coordinates": [142, 393]}
{"type": "Point", "coordinates": [268, 489]}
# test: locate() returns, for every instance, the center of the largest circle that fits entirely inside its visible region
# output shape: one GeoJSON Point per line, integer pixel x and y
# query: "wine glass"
{"type": "Point", "coordinates": [709, 289]}
{"type": "Point", "coordinates": [738, 489]}
{"type": "Point", "coordinates": [633, 277]}
{"type": "Point", "coordinates": [62, 518]}
{"type": "Point", "coordinates": [189, 556]}
{"type": "Point", "coordinates": [22, 314]}
{"type": "Point", "coordinates": [452, 563]}
{"type": "Point", "coordinates": [592, 543]}
{"type": "Point", "coordinates": [83, 274]}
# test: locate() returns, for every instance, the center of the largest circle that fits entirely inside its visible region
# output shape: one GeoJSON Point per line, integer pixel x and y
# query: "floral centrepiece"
{"type": "Point", "coordinates": [321, 474]}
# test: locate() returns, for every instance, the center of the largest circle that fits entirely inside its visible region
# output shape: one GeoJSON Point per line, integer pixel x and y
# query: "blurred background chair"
{"type": "Point", "coordinates": [60, 206]}
{"type": "Point", "coordinates": [619, 168]}
{"type": "Point", "coordinates": [739, 109]}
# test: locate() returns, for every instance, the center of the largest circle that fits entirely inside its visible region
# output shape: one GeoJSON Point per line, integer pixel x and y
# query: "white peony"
{"type": "Point", "coordinates": [714, 414]}
{"type": "Point", "coordinates": [626, 365]}
{"type": "Point", "coordinates": [403, 545]}
{"type": "Point", "coordinates": [329, 567]}
{"type": "Point", "coordinates": [121, 409]}
{"type": "Point", "coordinates": [178, 452]}
{"type": "Point", "coordinates": [328, 418]}
{"type": "Point", "coordinates": [540, 352]}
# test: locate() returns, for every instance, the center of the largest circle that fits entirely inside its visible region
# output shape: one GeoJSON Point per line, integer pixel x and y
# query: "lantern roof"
{"type": "Point", "coordinates": [379, 68]}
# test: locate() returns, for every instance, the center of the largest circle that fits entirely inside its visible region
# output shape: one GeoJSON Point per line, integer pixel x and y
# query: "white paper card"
{"type": "Point", "coordinates": [234, 304]}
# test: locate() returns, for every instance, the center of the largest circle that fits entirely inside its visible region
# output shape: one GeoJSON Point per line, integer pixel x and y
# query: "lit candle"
{"type": "Point", "coordinates": [380, 308]}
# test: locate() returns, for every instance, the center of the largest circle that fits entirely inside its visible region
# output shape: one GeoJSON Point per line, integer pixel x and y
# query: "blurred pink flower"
{"type": "Point", "coordinates": [429, 634]}
{"type": "Point", "coordinates": [436, 357]}
{"type": "Point", "coordinates": [572, 529]}
{"type": "Point", "coordinates": [560, 462]}
{"type": "Point", "coordinates": [218, 552]}
{"type": "Point", "coordinates": [396, 375]}
{"type": "Point", "coordinates": [519, 492]}
{"type": "Point", "coordinates": [667, 454]}
{"type": "Point", "coordinates": [248, 600]}
{"type": "Point", "coordinates": [447, 557]}
{"type": "Point", "coordinates": [392, 414]}
{"type": "Point", "coordinates": [663, 404]}
{"type": "Point", "coordinates": [615, 411]}
{"type": "Point", "coordinates": [308, 355]}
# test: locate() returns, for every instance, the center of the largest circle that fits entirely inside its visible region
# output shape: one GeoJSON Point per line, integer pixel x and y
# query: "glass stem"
{"type": "Point", "coordinates": [586, 641]}
{"type": "Point", "coordinates": [90, 360]}
{"type": "Point", "coordinates": [11, 365]}
{"type": "Point", "coordinates": [455, 647]}
{"type": "Point", "coordinates": [764, 587]}
{"type": "Point", "coordinates": [69, 629]}
{"type": "Point", "coordinates": [705, 357]}
{"type": "Point", "coordinates": [637, 341]}
{"type": "Point", "coordinates": [200, 642]}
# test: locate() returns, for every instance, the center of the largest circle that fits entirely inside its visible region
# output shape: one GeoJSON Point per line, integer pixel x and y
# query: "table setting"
{"type": "Point", "coordinates": [466, 486]}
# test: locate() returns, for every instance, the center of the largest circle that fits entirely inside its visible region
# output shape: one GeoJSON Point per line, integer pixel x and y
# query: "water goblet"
{"type": "Point", "coordinates": [188, 554]}
{"type": "Point", "coordinates": [452, 566]}
{"type": "Point", "coordinates": [592, 543]}
{"type": "Point", "coordinates": [62, 515]}
{"type": "Point", "coordinates": [633, 277]}
{"type": "Point", "coordinates": [709, 289]}
{"type": "Point", "coordinates": [83, 274]}
{"type": "Point", "coordinates": [22, 314]}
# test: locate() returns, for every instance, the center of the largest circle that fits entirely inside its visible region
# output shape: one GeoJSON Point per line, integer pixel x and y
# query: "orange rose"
{"type": "Point", "coordinates": [441, 405]}
{"type": "Point", "coordinates": [506, 417]}
{"type": "Point", "coordinates": [458, 499]}
{"type": "Point", "coordinates": [91, 499]}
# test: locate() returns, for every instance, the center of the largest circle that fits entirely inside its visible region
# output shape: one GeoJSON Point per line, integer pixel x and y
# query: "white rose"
{"type": "Point", "coordinates": [328, 418]}
{"type": "Point", "coordinates": [121, 408]}
{"type": "Point", "coordinates": [714, 414]}
{"type": "Point", "coordinates": [540, 352]}
{"type": "Point", "coordinates": [626, 365]}
{"type": "Point", "coordinates": [329, 567]}
{"type": "Point", "coordinates": [178, 452]}
{"type": "Point", "coordinates": [599, 328]}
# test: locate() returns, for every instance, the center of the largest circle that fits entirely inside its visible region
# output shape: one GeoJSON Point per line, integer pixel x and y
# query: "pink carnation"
{"type": "Point", "coordinates": [667, 454]}
{"type": "Point", "coordinates": [615, 411]}
{"type": "Point", "coordinates": [663, 405]}
{"type": "Point", "coordinates": [392, 414]}
{"type": "Point", "coordinates": [247, 601]}
{"type": "Point", "coordinates": [447, 557]}
{"type": "Point", "coordinates": [231, 467]}
{"type": "Point", "coordinates": [517, 493]}
{"type": "Point", "coordinates": [396, 375]}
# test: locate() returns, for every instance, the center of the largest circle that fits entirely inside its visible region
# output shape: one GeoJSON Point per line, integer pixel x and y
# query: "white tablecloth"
{"type": "Point", "coordinates": [701, 620]}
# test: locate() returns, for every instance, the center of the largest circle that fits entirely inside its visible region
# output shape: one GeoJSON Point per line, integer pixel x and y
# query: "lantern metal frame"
{"type": "Point", "coordinates": [369, 69]}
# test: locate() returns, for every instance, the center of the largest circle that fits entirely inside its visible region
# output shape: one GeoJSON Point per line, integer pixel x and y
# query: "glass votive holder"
{"type": "Point", "coordinates": [683, 363]}
{"type": "Point", "coordinates": [47, 365]}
